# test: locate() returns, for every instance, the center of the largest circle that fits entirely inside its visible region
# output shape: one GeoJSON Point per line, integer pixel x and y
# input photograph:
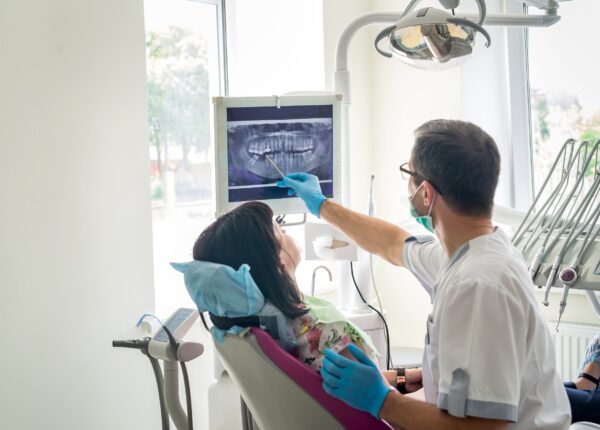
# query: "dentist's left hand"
{"type": "Point", "coordinates": [358, 384]}
{"type": "Point", "coordinates": [308, 189]}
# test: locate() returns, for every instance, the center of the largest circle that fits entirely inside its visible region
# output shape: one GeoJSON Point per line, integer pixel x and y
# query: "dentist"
{"type": "Point", "coordinates": [489, 357]}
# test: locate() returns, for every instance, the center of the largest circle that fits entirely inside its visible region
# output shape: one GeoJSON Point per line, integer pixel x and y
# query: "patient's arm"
{"type": "Point", "coordinates": [344, 352]}
{"type": "Point", "coordinates": [585, 384]}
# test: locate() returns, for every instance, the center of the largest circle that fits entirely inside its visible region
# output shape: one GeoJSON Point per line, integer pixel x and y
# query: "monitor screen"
{"type": "Point", "coordinates": [294, 138]}
{"type": "Point", "coordinates": [264, 142]}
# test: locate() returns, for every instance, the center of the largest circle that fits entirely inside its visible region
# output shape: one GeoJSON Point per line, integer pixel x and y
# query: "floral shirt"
{"type": "Point", "coordinates": [315, 336]}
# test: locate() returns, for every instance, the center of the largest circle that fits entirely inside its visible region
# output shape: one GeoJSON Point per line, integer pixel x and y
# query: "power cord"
{"type": "Point", "coordinates": [375, 285]}
{"type": "Point", "coordinates": [164, 415]}
{"type": "Point", "coordinates": [188, 395]}
{"type": "Point", "coordinates": [391, 361]}
{"type": "Point", "coordinates": [386, 330]}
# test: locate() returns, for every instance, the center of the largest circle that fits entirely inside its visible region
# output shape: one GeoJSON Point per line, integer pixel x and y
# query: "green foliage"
{"type": "Point", "coordinates": [157, 194]}
{"type": "Point", "coordinates": [540, 106]}
{"type": "Point", "coordinates": [590, 130]}
{"type": "Point", "coordinates": [178, 97]}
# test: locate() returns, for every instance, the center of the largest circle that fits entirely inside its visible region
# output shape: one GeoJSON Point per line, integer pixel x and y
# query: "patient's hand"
{"type": "Point", "coordinates": [414, 379]}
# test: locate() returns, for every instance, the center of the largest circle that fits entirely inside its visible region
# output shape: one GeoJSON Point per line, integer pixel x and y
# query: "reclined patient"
{"type": "Point", "coordinates": [248, 235]}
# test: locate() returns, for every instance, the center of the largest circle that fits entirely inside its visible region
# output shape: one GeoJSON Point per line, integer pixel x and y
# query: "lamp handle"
{"type": "Point", "coordinates": [382, 35]}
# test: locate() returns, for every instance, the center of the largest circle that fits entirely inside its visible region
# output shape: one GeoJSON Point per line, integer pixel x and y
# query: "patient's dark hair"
{"type": "Point", "coordinates": [246, 235]}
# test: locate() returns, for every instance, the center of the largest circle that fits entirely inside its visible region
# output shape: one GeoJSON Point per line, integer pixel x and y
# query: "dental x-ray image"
{"type": "Point", "coordinates": [295, 138]}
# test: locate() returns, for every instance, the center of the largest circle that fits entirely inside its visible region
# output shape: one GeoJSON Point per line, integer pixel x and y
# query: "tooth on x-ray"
{"type": "Point", "coordinates": [298, 146]}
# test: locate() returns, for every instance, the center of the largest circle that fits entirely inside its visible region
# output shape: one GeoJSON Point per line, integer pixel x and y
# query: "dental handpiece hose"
{"type": "Point", "coordinates": [581, 209]}
{"type": "Point", "coordinates": [142, 345]}
{"type": "Point", "coordinates": [573, 266]}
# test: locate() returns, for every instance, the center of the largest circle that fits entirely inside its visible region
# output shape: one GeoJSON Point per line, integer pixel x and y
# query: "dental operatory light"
{"type": "Point", "coordinates": [431, 38]}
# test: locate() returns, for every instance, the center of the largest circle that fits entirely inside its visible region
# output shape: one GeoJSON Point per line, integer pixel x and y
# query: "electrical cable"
{"type": "Point", "coordinates": [386, 329]}
{"type": "Point", "coordinates": [164, 415]}
{"type": "Point", "coordinates": [188, 395]}
{"type": "Point", "coordinates": [374, 285]}
{"type": "Point", "coordinates": [389, 361]}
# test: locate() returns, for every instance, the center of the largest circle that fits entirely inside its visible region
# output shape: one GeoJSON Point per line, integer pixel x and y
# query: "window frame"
{"type": "Point", "coordinates": [222, 42]}
{"type": "Point", "coordinates": [504, 70]}
{"type": "Point", "coordinates": [520, 106]}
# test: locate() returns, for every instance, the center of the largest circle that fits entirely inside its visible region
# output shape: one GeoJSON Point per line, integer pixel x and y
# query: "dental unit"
{"type": "Point", "coordinates": [426, 38]}
{"type": "Point", "coordinates": [165, 345]}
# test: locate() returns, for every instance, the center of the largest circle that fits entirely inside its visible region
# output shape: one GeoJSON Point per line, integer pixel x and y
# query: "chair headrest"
{"type": "Point", "coordinates": [221, 290]}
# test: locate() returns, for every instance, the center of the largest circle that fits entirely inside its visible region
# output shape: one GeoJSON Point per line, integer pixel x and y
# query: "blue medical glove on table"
{"type": "Point", "coordinates": [307, 187]}
{"type": "Point", "coordinates": [359, 384]}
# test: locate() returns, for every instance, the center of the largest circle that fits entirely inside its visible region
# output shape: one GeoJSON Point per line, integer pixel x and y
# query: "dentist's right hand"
{"type": "Point", "coordinates": [307, 187]}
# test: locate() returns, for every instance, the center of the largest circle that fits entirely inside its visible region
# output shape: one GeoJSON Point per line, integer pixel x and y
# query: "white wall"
{"type": "Point", "coordinates": [402, 98]}
{"type": "Point", "coordinates": [75, 228]}
{"type": "Point", "coordinates": [337, 14]}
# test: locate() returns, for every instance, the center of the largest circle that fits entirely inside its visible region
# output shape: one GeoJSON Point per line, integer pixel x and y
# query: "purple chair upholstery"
{"type": "Point", "coordinates": [311, 382]}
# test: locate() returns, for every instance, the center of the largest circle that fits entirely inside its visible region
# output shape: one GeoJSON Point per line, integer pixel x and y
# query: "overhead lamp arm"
{"type": "Point", "coordinates": [546, 20]}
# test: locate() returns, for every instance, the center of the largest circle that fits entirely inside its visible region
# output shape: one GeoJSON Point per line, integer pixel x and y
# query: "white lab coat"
{"type": "Point", "coordinates": [488, 350]}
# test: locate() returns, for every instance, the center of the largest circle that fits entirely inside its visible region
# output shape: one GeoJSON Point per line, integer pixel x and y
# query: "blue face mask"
{"type": "Point", "coordinates": [425, 220]}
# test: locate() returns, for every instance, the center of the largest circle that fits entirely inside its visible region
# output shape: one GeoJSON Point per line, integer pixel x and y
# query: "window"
{"type": "Point", "coordinates": [275, 46]}
{"type": "Point", "coordinates": [564, 83]}
{"type": "Point", "coordinates": [183, 73]}
{"type": "Point", "coordinates": [185, 56]}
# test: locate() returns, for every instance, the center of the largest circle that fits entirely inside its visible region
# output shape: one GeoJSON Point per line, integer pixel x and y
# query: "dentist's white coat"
{"type": "Point", "coordinates": [488, 350]}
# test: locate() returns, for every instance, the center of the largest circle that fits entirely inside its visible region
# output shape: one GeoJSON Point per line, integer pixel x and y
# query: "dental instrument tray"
{"type": "Point", "coordinates": [559, 235]}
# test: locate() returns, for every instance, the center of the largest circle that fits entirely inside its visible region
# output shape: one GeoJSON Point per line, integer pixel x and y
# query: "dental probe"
{"type": "Point", "coordinates": [274, 166]}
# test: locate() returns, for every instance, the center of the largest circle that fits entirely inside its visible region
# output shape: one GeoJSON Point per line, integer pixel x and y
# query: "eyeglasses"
{"type": "Point", "coordinates": [406, 174]}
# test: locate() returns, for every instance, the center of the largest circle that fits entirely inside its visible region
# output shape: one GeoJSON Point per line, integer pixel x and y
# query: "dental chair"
{"type": "Point", "coordinates": [280, 392]}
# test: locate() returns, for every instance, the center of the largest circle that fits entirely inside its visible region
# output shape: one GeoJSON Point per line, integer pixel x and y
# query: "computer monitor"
{"type": "Point", "coordinates": [297, 133]}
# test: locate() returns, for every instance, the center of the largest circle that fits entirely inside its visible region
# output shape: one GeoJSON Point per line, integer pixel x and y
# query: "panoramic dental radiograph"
{"type": "Point", "coordinates": [302, 144]}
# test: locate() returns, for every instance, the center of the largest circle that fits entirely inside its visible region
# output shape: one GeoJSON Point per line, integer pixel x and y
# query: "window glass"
{"type": "Point", "coordinates": [275, 46]}
{"type": "Point", "coordinates": [564, 83]}
{"type": "Point", "coordinates": [266, 55]}
{"type": "Point", "coordinates": [182, 62]}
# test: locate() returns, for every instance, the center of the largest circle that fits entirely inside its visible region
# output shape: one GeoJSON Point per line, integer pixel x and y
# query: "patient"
{"type": "Point", "coordinates": [584, 394]}
{"type": "Point", "coordinates": [248, 234]}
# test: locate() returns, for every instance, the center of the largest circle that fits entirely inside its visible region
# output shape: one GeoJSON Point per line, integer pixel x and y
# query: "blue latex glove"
{"type": "Point", "coordinates": [307, 187]}
{"type": "Point", "coordinates": [358, 384]}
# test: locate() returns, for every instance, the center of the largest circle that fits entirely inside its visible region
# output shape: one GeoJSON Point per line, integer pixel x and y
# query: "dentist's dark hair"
{"type": "Point", "coordinates": [246, 235]}
{"type": "Point", "coordinates": [462, 160]}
